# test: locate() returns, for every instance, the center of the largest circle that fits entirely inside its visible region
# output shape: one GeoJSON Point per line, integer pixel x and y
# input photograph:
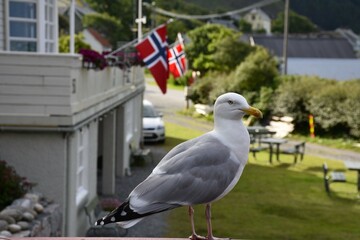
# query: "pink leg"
{"type": "Point", "coordinates": [210, 235]}
{"type": "Point", "coordinates": [194, 236]}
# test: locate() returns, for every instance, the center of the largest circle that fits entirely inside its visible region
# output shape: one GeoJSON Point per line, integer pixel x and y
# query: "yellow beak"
{"type": "Point", "coordinates": [254, 111]}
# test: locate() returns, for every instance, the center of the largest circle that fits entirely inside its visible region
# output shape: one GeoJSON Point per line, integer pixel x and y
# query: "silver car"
{"type": "Point", "coordinates": [153, 124]}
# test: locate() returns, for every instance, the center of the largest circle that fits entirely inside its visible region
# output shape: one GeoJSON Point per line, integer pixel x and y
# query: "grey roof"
{"type": "Point", "coordinates": [226, 23]}
{"type": "Point", "coordinates": [304, 46]}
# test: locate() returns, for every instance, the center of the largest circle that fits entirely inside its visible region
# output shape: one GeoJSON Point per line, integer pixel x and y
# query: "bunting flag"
{"type": "Point", "coordinates": [153, 50]}
{"type": "Point", "coordinates": [177, 60]}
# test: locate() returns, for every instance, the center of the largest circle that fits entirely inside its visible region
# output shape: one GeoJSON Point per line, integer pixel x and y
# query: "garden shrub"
{"type": "Point", "coordinates": [333, 104]}
{"type": "Point", "coordinates": [327, 106]}
{"type": "Point", "coordinates": [12, 186]}
{"type": "Point", "coordinates": [293, 95]}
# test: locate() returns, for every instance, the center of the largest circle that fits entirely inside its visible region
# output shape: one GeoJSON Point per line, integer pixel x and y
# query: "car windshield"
{"type": "Point", "coordinates": [149, 112]}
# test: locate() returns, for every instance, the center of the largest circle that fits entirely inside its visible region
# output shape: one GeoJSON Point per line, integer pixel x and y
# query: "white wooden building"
{"type": "Point", "coordinates": [57, 119]}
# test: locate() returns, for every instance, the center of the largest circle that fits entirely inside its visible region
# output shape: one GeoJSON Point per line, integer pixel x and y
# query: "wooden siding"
{"type": "Point", "coordinates": [53, 89]}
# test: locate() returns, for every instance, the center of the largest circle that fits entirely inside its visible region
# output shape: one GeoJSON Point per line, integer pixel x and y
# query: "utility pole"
{"type": "Point", "coordinates": [286, 31]}
{"type": "Point", "coordinates": [140, 20]}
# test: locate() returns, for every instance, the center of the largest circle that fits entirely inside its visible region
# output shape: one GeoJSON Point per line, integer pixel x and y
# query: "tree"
{"type": "Point", "coordinates": [297, 23]}
{"type": "Point", "coordinates": [258, 70]}
{"type": "Point", "coordinates": [230, 52]}
{"type": "Point", "coordinates": [215, 48]}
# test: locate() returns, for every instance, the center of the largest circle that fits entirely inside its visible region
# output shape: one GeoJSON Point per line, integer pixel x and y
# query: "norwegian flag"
{"type": "Point", "coordinates": [177, 60]}
{"type": "Point", "coordinates": [153, 50]}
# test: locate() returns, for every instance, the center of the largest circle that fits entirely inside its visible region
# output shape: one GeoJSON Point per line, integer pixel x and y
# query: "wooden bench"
{"type": "Point", "coordinates": [296, 150]}
{"type": "Point", "coordinates": [334, 176]}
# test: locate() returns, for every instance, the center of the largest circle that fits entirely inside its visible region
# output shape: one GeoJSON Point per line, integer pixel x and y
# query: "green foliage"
{"type": "Point", "coordinates": [230, 52]}
{"type": "Point", "coordinates": [297, 23]}
{"type": "Point", "coordinates": [12, 186]}
{"type": "Point", "coordinates": [293, 96]}
{"type": "Point", "coordinates": [258, 70]}
{"type": "Point", "coordinates": [110, 26]}
{"type": "Point", "coordinates": [254, 78]}
{"type": "Point", "coordinates": [64, 43]}
{"type": "Point", "coordinates": [333, 104]}
{"type": "Point", "coordinates": [211, 45]}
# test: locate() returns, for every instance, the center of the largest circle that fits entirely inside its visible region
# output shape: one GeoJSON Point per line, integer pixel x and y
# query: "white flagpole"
{"type": "Point", "coordinates": [72, 27]}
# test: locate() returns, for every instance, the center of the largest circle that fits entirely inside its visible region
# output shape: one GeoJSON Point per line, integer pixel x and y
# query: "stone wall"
{"type": "Point", "coordinates": [31, 216]}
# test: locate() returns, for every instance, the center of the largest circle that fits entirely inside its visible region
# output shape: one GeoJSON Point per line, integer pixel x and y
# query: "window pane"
{"type": "Point", "coordinates": [49, 47]}
{"type": "Point", "coordinates": [22, 29]}
{"type": "Point", "coordinates": [22, 9]}
{"type": "Point", "coordinates": [23, 46]}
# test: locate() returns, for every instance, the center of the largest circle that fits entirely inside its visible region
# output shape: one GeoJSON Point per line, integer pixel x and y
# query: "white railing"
{"type": "Point", "coordinates": [54, 89]}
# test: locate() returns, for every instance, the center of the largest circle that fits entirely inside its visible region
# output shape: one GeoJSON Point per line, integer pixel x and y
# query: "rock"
{"type": "Point", "coordinates": [14, 228]}
{"type": "Point", "coordinates": [14, 213]}
{"type": "Point", "coordinates": [33, 197]}
{"type": "Point", "coordinates": [27, 216]}
{"type": "Point", "coordinates": [24, 203]}
{"type": "Point", "coordinates": [21, 234]}
{"type": "Point", "coordinates": [24, 225]}
{"type": "Point", "coordinates": [5, 233]}
{"type": "Point", "coordinates": [38, 208]}
{"type": "Point", "coordinates": [8, 219]}
{"type": "Point", "coordinates": [3, 225]}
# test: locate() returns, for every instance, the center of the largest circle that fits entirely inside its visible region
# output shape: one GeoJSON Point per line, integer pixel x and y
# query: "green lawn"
{"type": "Point", "coordinates": [279, 201]}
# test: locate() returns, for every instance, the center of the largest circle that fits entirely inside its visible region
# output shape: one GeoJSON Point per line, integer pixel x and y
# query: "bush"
{"type": "Point", "coordinates": [64, 43]}
{"type": "Point", "coordinates": [12, 186]}
{"type": "Point", "coordinates": [332, 103]}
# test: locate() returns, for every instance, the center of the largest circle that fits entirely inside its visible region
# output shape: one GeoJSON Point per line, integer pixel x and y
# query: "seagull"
{"type": "Point", "coordinates": [198, 171]}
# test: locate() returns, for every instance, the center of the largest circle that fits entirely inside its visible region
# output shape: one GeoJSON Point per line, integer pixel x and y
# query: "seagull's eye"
{"type": "Point", "coordinates": [230, 102]}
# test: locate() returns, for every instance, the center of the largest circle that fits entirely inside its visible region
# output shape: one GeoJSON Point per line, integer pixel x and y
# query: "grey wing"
{"type": "Point", "coordinates": [196, 175]}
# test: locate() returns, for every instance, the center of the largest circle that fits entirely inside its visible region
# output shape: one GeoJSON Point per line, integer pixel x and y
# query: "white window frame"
{"type": "Point", "coordinates": [19, 19]}
{"type": "Point", "coordinates": [49, 27]}
{"type": "Point", "coordinates": [46, 25]}
{"type": "Point", "coordinates": [82, 165]}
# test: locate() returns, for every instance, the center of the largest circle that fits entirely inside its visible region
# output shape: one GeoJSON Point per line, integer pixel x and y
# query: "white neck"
{"type": "Point", "coordinates": [227, 130]}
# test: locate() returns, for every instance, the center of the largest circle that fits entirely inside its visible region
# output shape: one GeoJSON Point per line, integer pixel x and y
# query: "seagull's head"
{"type": "Point", "coordinates": [233, 106]}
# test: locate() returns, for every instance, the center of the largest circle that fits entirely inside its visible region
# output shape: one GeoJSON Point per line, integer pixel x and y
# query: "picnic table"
{"type": "Point", "coordinates": [355, 166]}
{"type": "Point", "coordinates": [273, 142]}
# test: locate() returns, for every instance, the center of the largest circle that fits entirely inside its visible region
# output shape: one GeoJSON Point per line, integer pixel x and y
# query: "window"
{"type": "Point", "coordinates": [82, 165]}
{"type": "Point", "coordinates": [49, 26]}
{"type": "Point", "coordinates": [32, 25]}
{"type": "Point", "coordinates": [23, 26]}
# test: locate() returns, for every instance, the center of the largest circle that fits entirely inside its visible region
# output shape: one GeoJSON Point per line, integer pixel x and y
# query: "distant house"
{"type": "Point", "coordinates": [62, 124]}
{"type": "Point", "coordinates": [326, 55]}
{"type": "Point", "coordinates": [97, 41]}
{"type": "Point", "coordinates": [259, 20]}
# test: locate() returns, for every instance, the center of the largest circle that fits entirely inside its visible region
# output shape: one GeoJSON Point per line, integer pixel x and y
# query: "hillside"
{"type": "Point", "coordinates": [327, 14]}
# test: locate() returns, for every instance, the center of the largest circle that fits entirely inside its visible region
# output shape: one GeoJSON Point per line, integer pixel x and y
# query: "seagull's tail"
{"type": "Point", "coordinates": [124, 216]}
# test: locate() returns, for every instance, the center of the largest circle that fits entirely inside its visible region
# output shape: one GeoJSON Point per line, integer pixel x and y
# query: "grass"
{"type": "Point", "coordinates": [340, 143]}
{"type": "Point", "coordinates": [278, 201]}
